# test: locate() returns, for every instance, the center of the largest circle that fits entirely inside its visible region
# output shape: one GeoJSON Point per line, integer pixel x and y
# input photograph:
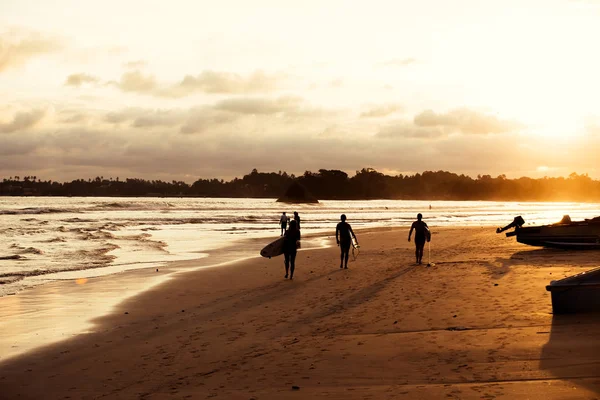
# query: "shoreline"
{"type": "Point", "coordinates": [476, 325]}
{"type": "Point", "coordinates": [57, 310]}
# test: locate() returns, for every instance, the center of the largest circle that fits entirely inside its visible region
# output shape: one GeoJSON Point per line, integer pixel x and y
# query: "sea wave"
{"type": "Point", "coordinates": [131, 205]}
{"type": "Point", "coordinates": [145, 240]}
{"type": "Point", "coordinates": [5, 280]}
{"type": "Point", "coordinates": [26, 250]}
{"type": "Point", "coordinates": [78, 220]}
{"type": "Point", "coordinates": [219, 219]}
{"type": "Point", "coordinates": [114, 226]}
{"type": "Point", "coordinates": [97, 256]}
{"type": "Point", "coordinates": [57, 239]}
{"type": "Point", "coordinates": [37, 210]}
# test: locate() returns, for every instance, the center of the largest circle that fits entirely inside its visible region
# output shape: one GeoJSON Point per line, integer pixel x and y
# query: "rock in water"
{"type": "Point", "coordinates": [297, 193]}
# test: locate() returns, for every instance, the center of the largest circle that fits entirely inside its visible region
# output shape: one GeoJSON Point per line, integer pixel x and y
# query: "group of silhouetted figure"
{"type": "Point", "coordinates": [290, 230]}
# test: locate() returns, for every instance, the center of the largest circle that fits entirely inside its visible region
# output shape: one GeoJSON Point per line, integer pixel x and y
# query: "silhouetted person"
{"type": "Point", "coordinates": [283, 222]}
{"type": "Point", "coordinates": [297, 219]}
{"type": "Point", "coordinates": [422, 234]}
{"type": "Point", "coordinates": [343, 237]}
{"type": "Point", "coordinates": [291, 236]}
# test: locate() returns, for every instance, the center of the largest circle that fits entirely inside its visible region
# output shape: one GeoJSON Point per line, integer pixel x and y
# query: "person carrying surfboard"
{"type": "Point", "coordinates": [343, 237]}
{"type": "Point", "coordinates": [422, 234]}
{"type": "Point", "coordinates": [291, 236]}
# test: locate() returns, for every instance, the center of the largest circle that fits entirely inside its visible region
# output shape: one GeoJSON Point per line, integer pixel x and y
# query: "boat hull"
{"type": "Point", "coordinates": [579, 235]}
{"type": "Point", "coordinates": [576, 294]}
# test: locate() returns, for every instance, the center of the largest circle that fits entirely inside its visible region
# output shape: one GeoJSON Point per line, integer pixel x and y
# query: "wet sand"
{"type": "Point", "coordinates": [64, 308]}
{"type": "Point", "coordinates": [476, 325]}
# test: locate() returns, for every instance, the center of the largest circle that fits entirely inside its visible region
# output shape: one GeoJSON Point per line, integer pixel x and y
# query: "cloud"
{"type": "Point", "coordinates": [225, 82]}
{"type": "Point", "coordinates": [211, 82]}
{"type": "Point", "coordinates": [135, 81]}
{"type": "Point", "coordinates": [22, 120]}
{"type": "Point", "coordinates": [259, 105]}
{"type": "Point", "coordinates": [158, 118]}
{"type": "Point", "coordinates": [78, 118]}
{"type": "Point", "coordinates": [18, 47]}
{"type": "Point", "coordinates": [79, 79]}
{"type": "Point", "coordinates": [146, 118]}
{"type": "Point", "coordinates": [381, 111]}
{"type": "Point", "coordinates": [398, 62]}
{"type": "Point", "coordinates": [334, 131]}
{"type": "Point", "coordinates": [224, 144]}
{"type": "Point", "coordinates": [430, 125]}
{"type": "Point", "coordinates": [466, 121]}
{"type": "Point", "coordinates": [408, 130]}
{"type": "Point", "coordinates": [194, 120]}
{"type": "Point", "coordinates": [138, 64]}
{"type": "Point", "coordinates": [201, 120]}
{"type": "Point", "coordinates": [128, 114]}
{"type": "Point", "coordinates": [16, 146]}
{"type": "Point", "coordinates": [336, 83]}
{"type": "Point", "coordinates": [253, 112]}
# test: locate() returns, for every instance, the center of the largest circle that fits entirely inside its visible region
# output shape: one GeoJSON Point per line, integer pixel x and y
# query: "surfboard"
{"type": "Point", "coordinates": [273, 249]}
{"type": "Point", "coordinates": [355, 243]}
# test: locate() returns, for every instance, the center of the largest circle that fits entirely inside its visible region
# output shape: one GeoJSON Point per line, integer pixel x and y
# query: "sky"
{"type": "Point", "coordinates": [188, 89]}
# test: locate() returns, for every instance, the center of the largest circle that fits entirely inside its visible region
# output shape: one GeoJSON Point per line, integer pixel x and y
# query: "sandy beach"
{"type": "Point", "coordinates": [477, 325]}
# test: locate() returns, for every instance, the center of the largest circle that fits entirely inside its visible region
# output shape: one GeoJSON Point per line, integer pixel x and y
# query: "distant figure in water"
{"type": "Point", "coordinates": [343, 237]}
{"type": "Point", "coordinates": [422, 234]}
{"type": "Point", "coordinates": [283, 222]}
{"type": "Point", "coordinates": [291, 237]}
{"type": "Point", "coordinates": [430, 206]}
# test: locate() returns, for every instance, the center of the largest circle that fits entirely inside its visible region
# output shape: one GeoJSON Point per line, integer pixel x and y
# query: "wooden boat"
{"type": "Point", "coordinates": [577, 293]}
{"type": "Point", "coordinates": [564, 234]}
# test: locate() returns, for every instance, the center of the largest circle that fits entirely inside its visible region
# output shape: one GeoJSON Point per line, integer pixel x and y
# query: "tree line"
{"type": "Point", "coordinates": [326, 184]}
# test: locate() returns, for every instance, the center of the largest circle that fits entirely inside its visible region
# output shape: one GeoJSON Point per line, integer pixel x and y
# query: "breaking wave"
{"type": "Point", "coordinates": [37, 210]}
{"type": "Point", "coordinates": [132, 205]}
{"type": "Point", "coordinates": [26, 250]}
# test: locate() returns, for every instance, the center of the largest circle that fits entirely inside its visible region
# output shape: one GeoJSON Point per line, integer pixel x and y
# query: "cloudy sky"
{"type": "Point", "coordinates": [183, 89]}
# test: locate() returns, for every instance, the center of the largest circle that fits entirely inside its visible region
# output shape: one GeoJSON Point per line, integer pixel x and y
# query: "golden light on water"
{"type": "Point", "coordinates": [81, 281]}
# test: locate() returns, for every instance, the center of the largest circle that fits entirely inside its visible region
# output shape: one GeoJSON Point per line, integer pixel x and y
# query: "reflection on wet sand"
{"type": "Point", "coordinates": [60, 310]}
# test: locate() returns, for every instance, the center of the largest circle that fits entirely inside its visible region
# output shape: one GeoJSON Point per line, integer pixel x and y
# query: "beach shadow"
{"type": "Point", "coordinates": [356, 298]}
{"type": "Point", "coordinates": [547, 256]}
{"type": "Point", "coordinates": [543, 257]}
{"type": "Point", "coordinates": [572, 352]}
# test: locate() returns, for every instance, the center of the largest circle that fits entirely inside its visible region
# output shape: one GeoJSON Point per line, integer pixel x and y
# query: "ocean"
{"type": "Point", "coordinates": [44, 239]}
